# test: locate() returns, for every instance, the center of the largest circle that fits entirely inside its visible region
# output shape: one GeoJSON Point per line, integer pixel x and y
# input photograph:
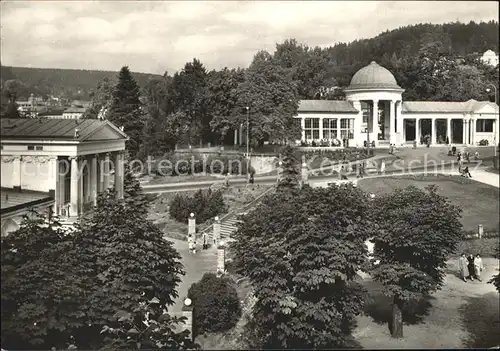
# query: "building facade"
{"type": "Point", "coordinates": [375, 113]}
{"type": "Point", "coordinates": [70, 161]}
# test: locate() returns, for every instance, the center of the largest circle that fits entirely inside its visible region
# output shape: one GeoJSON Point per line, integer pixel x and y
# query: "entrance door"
{"type": "Point", "coordinates": [457, 131]}
{"type": "Point", "coordinates": [409, 128]}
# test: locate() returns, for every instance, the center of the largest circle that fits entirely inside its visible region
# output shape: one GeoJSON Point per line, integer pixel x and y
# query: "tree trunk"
{"type": "Point", "coordinates": [396, 325]}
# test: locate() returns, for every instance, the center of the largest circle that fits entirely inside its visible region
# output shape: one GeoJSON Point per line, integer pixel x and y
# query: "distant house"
{"type": "Point", "coordinates": [74, 113]}
{"type": "Point", "coordinates": [53, 113]}
{"type": "Point", "coordinates": [81, 103]}
{"type": "Point", "coordinates": [490, 58]}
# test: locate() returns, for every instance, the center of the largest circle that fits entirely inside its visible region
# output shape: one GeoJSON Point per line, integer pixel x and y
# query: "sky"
{"type": "Point", "coordinates": [159, 36]}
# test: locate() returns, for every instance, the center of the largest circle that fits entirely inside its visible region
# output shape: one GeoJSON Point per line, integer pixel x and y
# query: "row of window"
{"type": "Point", "coordinates": [331, 128]}
{"type": "Point", "coordinates": [484, 126]}
{"type": "Point", "coordinates": [35, 147]}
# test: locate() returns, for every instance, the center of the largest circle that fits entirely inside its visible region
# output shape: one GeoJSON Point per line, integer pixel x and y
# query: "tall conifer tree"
{"type": "Point", "coordinates": [126, 110]}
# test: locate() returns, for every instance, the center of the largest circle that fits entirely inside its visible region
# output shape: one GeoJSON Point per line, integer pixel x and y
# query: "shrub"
{"type": "Point", "coordinates": [204, 204]}
{"type": "Point", "coordinates": [215, 303]}
{"type": "Point", "coordinates": [483, 142]}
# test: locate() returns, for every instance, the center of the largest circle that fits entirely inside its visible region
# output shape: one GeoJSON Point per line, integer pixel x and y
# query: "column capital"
{"type": "Point", "coordinates": [76, 158]}
{"type": "Point", "coordinates": [375, 101]}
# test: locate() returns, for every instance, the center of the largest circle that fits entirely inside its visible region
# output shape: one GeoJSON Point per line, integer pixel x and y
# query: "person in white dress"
{"type": "Point", "coordinates": [478, 266]}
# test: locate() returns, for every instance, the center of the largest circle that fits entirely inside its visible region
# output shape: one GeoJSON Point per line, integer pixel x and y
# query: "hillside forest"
{"type": "Point", "coordinates": [431, 62]}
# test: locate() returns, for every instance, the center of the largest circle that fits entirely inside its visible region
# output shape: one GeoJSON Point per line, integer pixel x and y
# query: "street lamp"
{"type": "Point", "coordinates": [248, 143]}
{"type": "Point", "coordinates": [496, 103]}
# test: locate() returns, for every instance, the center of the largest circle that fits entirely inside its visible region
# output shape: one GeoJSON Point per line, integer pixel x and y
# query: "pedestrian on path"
{"type": "Point", "coordinates": [462, 267]}
{"type": "Point", "coordinates": [466, 173]}
{"type": "Point", "coordinates": [478, 267]}
{"type": "Point", "coordinates": [382, 167]}
{"type": "Point", "coordinates": [470, 266]}
{"type": "Point", "coordinates": [205, 241]}
{"type": "Point", "coordinates": [190, 243]}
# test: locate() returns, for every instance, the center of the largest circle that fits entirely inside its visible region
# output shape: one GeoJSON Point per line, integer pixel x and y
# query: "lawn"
{"type": "Point", "coordinates": [460, 315]}
{"type": "Point", "coordinates": [478, 201]}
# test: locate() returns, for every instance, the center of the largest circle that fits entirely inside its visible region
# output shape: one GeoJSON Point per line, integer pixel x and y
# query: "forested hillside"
{"type": "Point", "coordinates": [67, 83]}
{"type": "Point", "coordinates": [458, 39]}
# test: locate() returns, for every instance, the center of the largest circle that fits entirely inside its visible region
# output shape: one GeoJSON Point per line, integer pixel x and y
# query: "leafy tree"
{"type": "Point", "coordinates": [417, 231]}
{"type": "Point", "coordinates": [290, 176]}
{"type": "Point", "coordinates": [133, 194]}
{"type": "Point", "coordinates": [204, 204]}
{"type": "Point", "coordinates": [496, 278]}
{"type": "Point", "coordinates": [102, 98]}
{"type": "Point", "coordinates": [216, 304]}
{"type": "Point", "coordinates": [147, 327]}
{"type": "Point", "coordinates": [42, 287]}
{"type": "Point", "coordinates": [301, 254]}
{"type": "Point", "coordinates": [272, 98]}
{"type": "Point", "coordinates": [127, 258]}
{"type": "Point", "coordinates": [188, 91]}
{"type": "Point", "coordinates": [125, 110]}
{"type": "Point", "coordinates": [222, 99]}
{"type": "Point", "coordinates": [161, 127]}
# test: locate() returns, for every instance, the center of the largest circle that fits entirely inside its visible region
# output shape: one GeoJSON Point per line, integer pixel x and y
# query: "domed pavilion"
{"type": "Point", "coordinates": [374, 112]}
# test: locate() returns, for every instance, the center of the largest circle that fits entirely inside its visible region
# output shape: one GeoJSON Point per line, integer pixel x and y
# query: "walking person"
{"type": "Point", "coordinates": [382, 167]}
{"type": "Point", "coordinates": [463, 268]}
{"type": "Point", "coordinates": [466, 173]}
{"type": "Point", "coordinates": [194, 246]}
{"type": "Point", "coordinates": [205, 241]}
{"type": "Point", "coordinates": [470, 266]}
{"type": "Point", "coordinates": [478, 267]}
{"type": "Point", "coordinates": [467, 156]}
{"type": "Point", "coordinates": [191, 243]}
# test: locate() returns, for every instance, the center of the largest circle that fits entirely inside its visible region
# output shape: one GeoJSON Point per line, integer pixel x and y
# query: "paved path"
{"type": "Point", "coordinates": [195, 265]}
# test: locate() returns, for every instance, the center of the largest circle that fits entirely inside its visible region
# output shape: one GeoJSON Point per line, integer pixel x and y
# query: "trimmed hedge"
{"type": "Point", "coordinates": [175, 164]}
{"type": "Point", "coordinates": [216, 305]}
{"type": "Point", "coordinates": [205, 204]}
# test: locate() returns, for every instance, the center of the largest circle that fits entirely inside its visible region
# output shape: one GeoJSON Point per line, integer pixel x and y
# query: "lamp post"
{"type": "Point", "coordinates": [496, 103]}
{"type": "Point", "coordinates": [248, 143]}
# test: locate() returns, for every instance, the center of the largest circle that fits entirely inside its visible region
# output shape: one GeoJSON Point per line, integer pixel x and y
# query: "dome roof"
{"type": "Point", "coordinates": [373, 76]}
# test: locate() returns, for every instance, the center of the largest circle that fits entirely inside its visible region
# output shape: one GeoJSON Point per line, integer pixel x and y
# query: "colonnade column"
{"type": "Point", "coordinates": [62, 168]}
{"type": "Point", "coordinates": [16, 171]}
{"type": "Point", "coordinates": [472, 131]}
{"type": "Point", "coordinates": [433, 132]}
{"type": "Point", "coordinates": [236, 137]}
{"type": "Point", "coordinates": [392, 123]}
{"type": "Point", "coordinates": [54, 174]}
{"type": "Point", "coordinates": [448, 130]}
{"type": "Point", "coordinates": [495, 131]}
{"type": "Point", "coordinates": [81, 195]}
{"type": "Point", "coordinates": [321, 128]}
{"type": "Point", "coordinates": [74, 186]}
{"type": "Point", "coordinates": [105, 172]}
{"type": "Point", "coordinates": [466, 132]}
{"type": "Point", "coordinates": [400, 124]}
{"type": "Point", "coordinates": [303, 129]}
{"type": "Point", "coordinates": [119, 168]}
{"type": "Point", "coordinates": [374, 130]}
{"type": "Point", "coordinates": [93, 180]}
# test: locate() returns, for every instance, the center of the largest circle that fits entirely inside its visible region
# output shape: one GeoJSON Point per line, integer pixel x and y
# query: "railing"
{"type": "Point", "coordinates": [237, 210]}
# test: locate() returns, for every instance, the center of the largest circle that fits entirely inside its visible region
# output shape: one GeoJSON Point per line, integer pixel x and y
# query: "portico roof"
{"type": "Point", "coordinates": [326, 106]}
{"type": "Point", "coordinates": [13, 200]}
{"type": "Point", "coordinates": [446, 106]}
{"type": "Point", "coordinates": [59, 129]}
